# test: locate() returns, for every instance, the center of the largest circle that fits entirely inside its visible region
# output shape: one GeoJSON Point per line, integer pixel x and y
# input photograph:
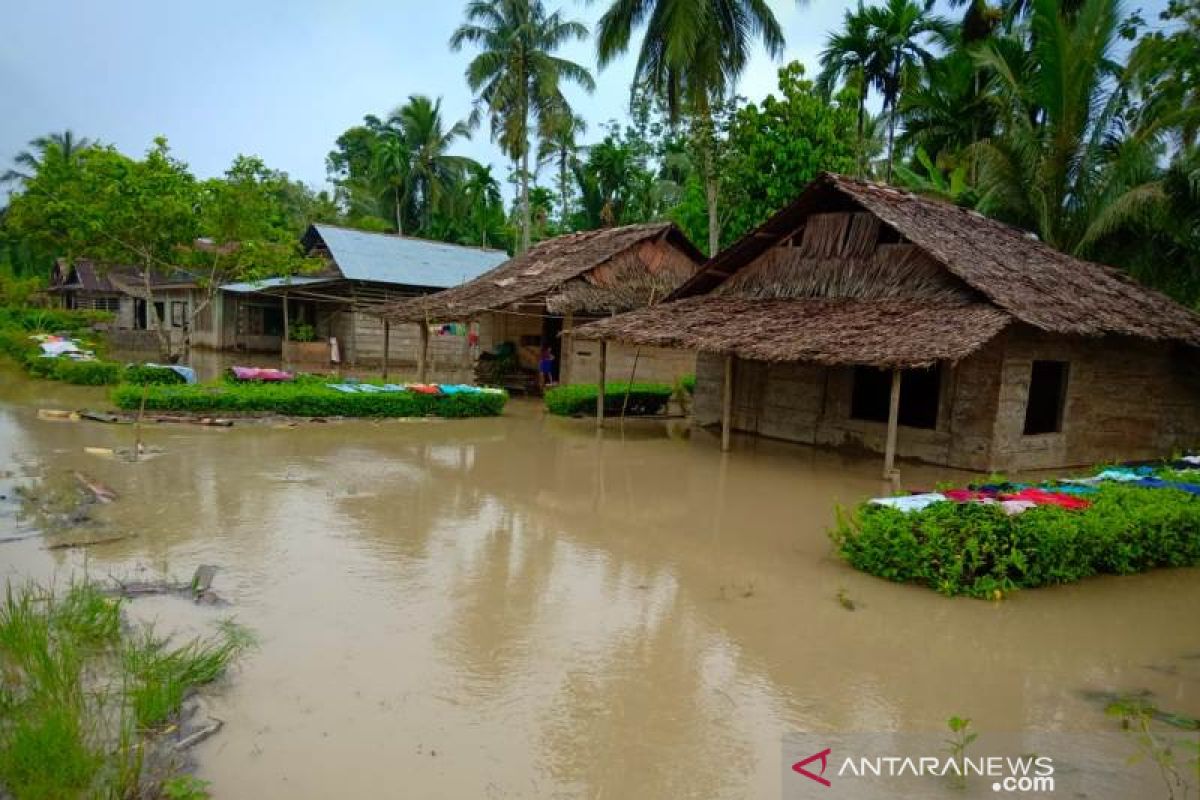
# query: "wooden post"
{"type": "Point", "coordinates": [889, 453]}
{"type": "Point", "coordinates": [600, 385]}
{"type": "Point", "coordinates": [727, 404]}
{"type": "Point", "coordinates": [423, 354]}
{"type": "Point", "coordinates": [287, 329]}
{"type": "Point", "coordinates": [565, 348]}
{"type": "Point", "coordinates": [387, 341]}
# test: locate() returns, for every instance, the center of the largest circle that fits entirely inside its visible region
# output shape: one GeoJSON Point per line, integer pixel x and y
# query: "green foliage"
{"type": "Point", "coordinates": [580, 399]}
{"type": "Point", "coordinates": [160, 677]}
{"type": "Point", "coordinates": [185, 787]}
{"type": "Point", "coordinates": [302, 332]}
{"type": "Point", "coordinates": [82, 373]}
{"type": "Point", "coordinates": [140, 374]}
{"type": "Point", "coordinates": [977, 550]}
{"type": "Point", "coordinates": [305, 398]}
{"type": "Point", "coordinates": [688, 383]}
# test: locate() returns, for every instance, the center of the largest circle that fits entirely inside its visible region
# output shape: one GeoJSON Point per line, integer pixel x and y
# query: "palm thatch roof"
{"type": "Point", "coordinates": [603, 271]}
{"type": "Point", "coordinates": [881, 333]}
{"type": "Point", "coordinates": [854, 272]}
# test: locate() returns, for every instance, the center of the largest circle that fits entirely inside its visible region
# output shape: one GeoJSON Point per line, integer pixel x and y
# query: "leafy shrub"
{"type": "Point", "coordinates": [51, 320]}
{"type": "Point", "coordinates": [302, 332]}
{"type": "Point", "coordinates": [141, 374]}
{"type": "Point", "coordinates": [977, 550]}
{"type": "Point", "coordinates": [83, 373]}
{"type": "Point", "coordinates": [580, 399]}
{"type": "Point", "coordinates": [305, 399]}
{"type": "Point", "coordinates": [688, 383]}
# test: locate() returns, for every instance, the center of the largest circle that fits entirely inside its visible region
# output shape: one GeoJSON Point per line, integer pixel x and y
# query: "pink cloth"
{"type": "Point", "coordinates": [260, 374]}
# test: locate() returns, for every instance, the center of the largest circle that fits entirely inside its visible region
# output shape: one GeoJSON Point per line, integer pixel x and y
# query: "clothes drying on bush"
{"type": "Point", "coordinates": [265, 374]}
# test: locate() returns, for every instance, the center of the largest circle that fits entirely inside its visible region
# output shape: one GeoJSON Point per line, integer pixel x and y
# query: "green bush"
{"type": "Point", "coordinates": [51, 320]}
{"type": "Point", "coordinates": [140, 374]}
{"type": "Point", "coordinates": [688, 382]}
{"type": "Point", "coordinates": [302, 332]}
{"type": "Point", "coordinates": [580, 399]}
{"type": "Point", "coordinates": [83, 373]}
{"type": "Point", "coordinates": [304, 399]}
{"type": "Point", "coordinates": [977, 550]}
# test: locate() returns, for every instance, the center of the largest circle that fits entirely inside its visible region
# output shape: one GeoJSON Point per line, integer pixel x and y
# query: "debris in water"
{"type": "Point", "coordinates": [101, 492]}
{"type": "Point", "coordinates": [57, 415]}
{"type": "Point", "coordinates": [72, 544]}
{"type": "Point", "coordinates": [844, 600]}
{"type": "Point", "coordinates": [198, 588]}
{"type": "Point", "coordinates": [213, 725]}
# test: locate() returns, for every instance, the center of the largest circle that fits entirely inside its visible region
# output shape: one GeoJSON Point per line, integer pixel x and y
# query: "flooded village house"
{"type": "Point", "coordinates": [864, 315]}
{"type": "Point", "coordinates": [536, 300]}
{"type": "Point", "coordinates": [362, 270]}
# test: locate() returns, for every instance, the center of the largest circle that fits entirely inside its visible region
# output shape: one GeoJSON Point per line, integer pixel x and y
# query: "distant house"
{"type": "Point", "coordinates": [861, 314]}
{"type": "Point", "coordinates": [83, 284]}
{"type": "Point", "coordinates": [534, 300]}
{"type": "Point", "coordinates": [363, 270]}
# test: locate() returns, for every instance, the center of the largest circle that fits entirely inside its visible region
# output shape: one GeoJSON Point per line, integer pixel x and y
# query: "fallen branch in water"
{"type": "Point", "coordinates": [198, 588]}
{"type": "Point", "coordinates": [89, 542]}
{"type": "Point", "coordinates": [192, 739]}
{"type": "Point", "coordinates": [101, 492]}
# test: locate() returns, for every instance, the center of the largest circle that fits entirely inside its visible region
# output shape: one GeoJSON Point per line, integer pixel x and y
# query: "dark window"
{"type": "Point", "coordinates": [178, 313]}
{"type": "Point", "coordinates": [920, 392]}
{"type": "Point", "coordinates": [1047, 390]}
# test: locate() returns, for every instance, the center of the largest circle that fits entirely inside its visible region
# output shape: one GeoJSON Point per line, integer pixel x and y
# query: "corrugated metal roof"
{"type": "Point", "coordinates": [246, 287]}
{"type": "Point", "coordinates": [384, 258]}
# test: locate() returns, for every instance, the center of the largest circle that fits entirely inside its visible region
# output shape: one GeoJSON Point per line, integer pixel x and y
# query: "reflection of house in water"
{"type": "Point", "coordinates": [559, 283]}
{"type": "Point", "coordinates": [864, 314]}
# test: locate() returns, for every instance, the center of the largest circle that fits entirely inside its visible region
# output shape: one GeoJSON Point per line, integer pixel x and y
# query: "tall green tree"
{"type": "Point", "coordinates": [849, 58]}
{"type": "Point", "coordinates": [517, 77]}
{"type": "Point", "coordinates": [691, 55]}
{"type": "Point", "coordinates": [432, 171]}
{"type": "Point", "coordinates": [64, 147]}
{"type": "Point", "coordinates": [902, 33]}
{"type": "Point", "coordinates": [559, 147]}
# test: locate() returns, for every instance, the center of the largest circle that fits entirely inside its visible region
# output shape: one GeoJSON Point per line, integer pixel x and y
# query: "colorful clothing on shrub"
{"type": "Point", "coordinates": [423, 388]}
{"type": "Point", "coordinates": [260, 374]}
{"type": "Point", "coordinates": [969, 495]}
{"type": "Point", "coordinates": [1014, 507]}
{"type": "Point", "coordinates": [912, 502]}
{"type": "Point", "coordinates": [1158, 483]}
{"type": "Point", "coordinates": [1043, 498]}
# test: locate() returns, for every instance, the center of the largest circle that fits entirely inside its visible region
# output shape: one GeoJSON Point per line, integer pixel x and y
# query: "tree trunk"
{"type": "Point", "coordinates": [891, 139]}
{"type": "Point", "coordinates": [526, 213]}
{"type": "Point", "coordinates": [152, 318]}
{"type": "Point", "coordinates": [714, 224]}
{"type": "Point", "coordinates": [862, 145]}
{"type": "Point", "coordinates": [399, 213]}
{"type": "Point", "coordinates": [562, 185]}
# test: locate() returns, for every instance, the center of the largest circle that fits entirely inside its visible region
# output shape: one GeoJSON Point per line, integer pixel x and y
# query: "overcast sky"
{"type": "Point", "coordinates": [279, 79]}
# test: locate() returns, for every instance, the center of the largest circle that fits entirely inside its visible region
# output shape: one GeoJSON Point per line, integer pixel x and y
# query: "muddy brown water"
{"type": "Point", "coordinates": [517, 607]}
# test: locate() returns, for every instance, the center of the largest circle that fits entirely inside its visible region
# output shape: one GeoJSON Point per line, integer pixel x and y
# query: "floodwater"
{"type": "Point", "coordinates": [517, 607]}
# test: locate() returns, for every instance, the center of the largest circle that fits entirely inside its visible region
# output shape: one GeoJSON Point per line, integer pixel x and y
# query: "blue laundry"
{"type": "Point", "coordinates": [1159, 483]}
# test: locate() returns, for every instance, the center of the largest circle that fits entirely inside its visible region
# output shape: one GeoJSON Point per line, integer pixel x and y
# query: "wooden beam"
{"type": "Point", "coordinates": [287, 326]}
{"type": "Point", "coordinates": [727, 405]}
{"type": "Point", "coordinates": [423, 353]}
{"type": "Point", "coordinates": [387, 340]}
{"type": "Point", "coordinates": [889, 453]}
{"type": "Point", "coordinates": [600, 385]}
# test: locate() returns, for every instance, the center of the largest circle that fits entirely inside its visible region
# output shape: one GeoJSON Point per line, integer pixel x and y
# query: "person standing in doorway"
{"type": "Point", "coordinates": [546, 369]}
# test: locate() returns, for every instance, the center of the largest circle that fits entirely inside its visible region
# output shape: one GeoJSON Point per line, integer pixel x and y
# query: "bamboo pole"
{"type": "Point", "coordinates": [889, 454]}
{"type": "Point", "coordinates": [287, 329]}
{"type": "Point", "coordinates": [727, 405]}
{"type": "Point", "coordinates": [423, 354]}
{"type": "Point", "coordinates": [600, 385]}
{"type": "Point", "coordinates": [387, 340]}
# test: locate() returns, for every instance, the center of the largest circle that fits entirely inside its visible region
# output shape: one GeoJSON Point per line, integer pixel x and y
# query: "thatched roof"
{"type": "Point", "coordinates": [602, 271]}
{"type": "Point", "coordinates": [882, 333]}
{"type": "Point", "coordinates": [1009, 267]}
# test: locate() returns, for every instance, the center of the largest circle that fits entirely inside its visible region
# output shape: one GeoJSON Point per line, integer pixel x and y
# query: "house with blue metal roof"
{"type": "Point", "coordinates": [331, 313]}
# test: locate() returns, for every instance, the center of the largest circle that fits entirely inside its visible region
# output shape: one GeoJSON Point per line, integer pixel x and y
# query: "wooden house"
{"type": "Point", "coordinates": [535, 300]}
{"type": "Point", "coordinates": [865, 315]}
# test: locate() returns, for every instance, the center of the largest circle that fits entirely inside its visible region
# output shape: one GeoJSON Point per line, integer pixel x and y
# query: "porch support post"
{"type": "Point", "coordinates": [387, 341]}
{"type": "Point", "coordinates": [727, 404]}
{"type": "Point", "coordinates": [287, 327]}
{"type": "Point", "coordinates": [423, 354]}
{"type": "Point", "coordinates": [600, 385]}
{"type": "Point", "coordinates": [889, 454]}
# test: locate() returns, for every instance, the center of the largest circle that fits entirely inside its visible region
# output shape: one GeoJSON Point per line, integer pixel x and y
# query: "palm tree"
{"type": "Point", "coordinates": [559, 146]}
{"type": "Point", "coordinates": [389, 172]}
{"type": "Point", "coordinates": [482, 193]}
{"type": "Point", "coordinates": [1060, 165]}
{"type": "Point", "coordinates": [65, 146]}
{"type": "Point", "coordinates": [692, 54]}
{"type": "Point", "coordinates": [848, 56]}
{"type": "Point", "coordinates": [948, 109]}
{"type": "Point", "coordinates": [517, 77]}
{"type": "Point", "coordinates": [900, 31]}
{"type": "Point", "coordinates": [431, 171]}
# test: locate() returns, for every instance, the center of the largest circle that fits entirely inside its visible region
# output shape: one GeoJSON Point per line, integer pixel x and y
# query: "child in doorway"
{"type": "Point", "coordinates": [546, 368]}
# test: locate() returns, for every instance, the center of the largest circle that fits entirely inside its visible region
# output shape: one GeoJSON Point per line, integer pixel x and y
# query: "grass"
{"type": "Point", "coordinates": [304, 398]}
{"type": "Point", "coordinates": [977, 550]}
{"type": "Point", "coordinates": [579, 399]}
{"type": "Point", "coordinates": [81, 696]}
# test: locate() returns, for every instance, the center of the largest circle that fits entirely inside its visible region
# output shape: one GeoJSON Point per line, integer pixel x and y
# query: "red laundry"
{"type": "Point", "coordinates": [1044, 498]}
{"type": "Point", "coordinates": [968, 495]}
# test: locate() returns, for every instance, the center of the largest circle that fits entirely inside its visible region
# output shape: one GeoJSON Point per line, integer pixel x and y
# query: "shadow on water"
{"type": "Point", "coordinates": [523, 607]}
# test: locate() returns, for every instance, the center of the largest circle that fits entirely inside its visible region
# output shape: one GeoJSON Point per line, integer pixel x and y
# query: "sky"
{"type": "Point", "coordinates": [278, 79]}
{"type": "Point", "coordinates": [282, 80]}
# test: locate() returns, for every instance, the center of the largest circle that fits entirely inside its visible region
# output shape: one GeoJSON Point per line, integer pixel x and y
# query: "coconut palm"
{"type": "Point", "coordinates": [1060, 165]}
{"type": "Point", "coordinates": [692, 54]}
{"type": "Point", "coordinates": [65, 146]}
{"type": "Point", "coordinates": [482, 193]}
{"type": "Point", "coordinates": [389, 171]}
{"type": "Point", "coordinates": [901, 32]}
{"type": "Point", "coordinates": [516, 76]}
{"type": "Point", "coordinates": [848, 57]}
{"type": "Point", "coordinates": [558, 147]}
{"type": "Point", "coordinates": [431, 171]}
